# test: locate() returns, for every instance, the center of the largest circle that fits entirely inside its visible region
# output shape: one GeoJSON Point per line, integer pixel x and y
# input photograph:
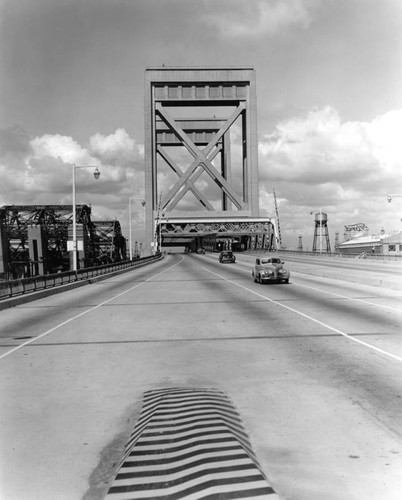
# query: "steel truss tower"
{"type": "Point", "coordinates": [200, 144]}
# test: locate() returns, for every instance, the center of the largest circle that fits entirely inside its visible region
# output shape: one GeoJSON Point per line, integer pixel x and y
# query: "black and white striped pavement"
{"type": "Point", "coordinates": [189, 443]}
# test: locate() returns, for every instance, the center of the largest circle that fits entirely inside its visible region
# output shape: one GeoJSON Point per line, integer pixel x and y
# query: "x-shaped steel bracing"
{"type": "Point", "coordinates": [190, 183]}
{"type": "Point", "coordinates": [202, 158]}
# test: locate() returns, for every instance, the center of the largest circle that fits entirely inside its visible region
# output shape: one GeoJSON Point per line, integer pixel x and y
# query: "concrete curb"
{"type": "Point", "coordinates": [31, 296]}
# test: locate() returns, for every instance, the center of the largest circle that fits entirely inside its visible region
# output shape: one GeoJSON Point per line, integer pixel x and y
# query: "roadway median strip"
{"type": "Point", "coordinates": [189, 443]}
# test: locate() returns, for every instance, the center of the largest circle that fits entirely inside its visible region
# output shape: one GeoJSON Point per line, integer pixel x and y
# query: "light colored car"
{"type": "Point", "coordinates": [270, 269]}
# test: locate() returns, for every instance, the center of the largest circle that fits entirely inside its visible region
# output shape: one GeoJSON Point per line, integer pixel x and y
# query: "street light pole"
{"type": "Point", "coordinates": [130, 243]}
{"type": "Point", "coordinates": [160, 236]}
{"type": "Point", "coordinates": [74, 225]}
{"type": "Point", "coordinates": [96, 175]}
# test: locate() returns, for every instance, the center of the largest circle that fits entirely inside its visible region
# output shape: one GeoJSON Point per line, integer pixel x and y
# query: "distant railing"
{"type": "Point", "coordinates": [28, 285]}
{"type": "Point", "coordinates": [359, 255]}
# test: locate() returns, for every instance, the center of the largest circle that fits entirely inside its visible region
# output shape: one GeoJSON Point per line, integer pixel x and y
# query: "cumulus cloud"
{"type": "Point", "coordinates": [117, 149]}
{"type": "Point", "coordinates": [39, 170]}
{"type": "Point", "coordinates": [59, 146]}
{"type": "Point", "coordinates": [254, 18]}
{"type": "Point", "coordinates": [47, 176]}
{"type": "Point", "coordinates": [320, 148]}
{"type": "Point", "coordinates": [345, 168]}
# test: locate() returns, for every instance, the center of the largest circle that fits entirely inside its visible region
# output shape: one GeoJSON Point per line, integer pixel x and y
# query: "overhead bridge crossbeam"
{"type": "Point", "coordinates": [223, 226]}
{"type": "Point", "coordinates": [213, 235]}
{"type": "Point", "coordinates": [200, 131]}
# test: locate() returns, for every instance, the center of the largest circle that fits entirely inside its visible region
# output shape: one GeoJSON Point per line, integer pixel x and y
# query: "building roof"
{"type": "Point", "coordinates": [393, 238]}
{"type": "Point", "coordinates": [373, 239]}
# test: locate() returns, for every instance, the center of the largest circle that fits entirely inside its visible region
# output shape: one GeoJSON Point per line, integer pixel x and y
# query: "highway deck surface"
{"type": "Point", "coordinates": [314, 368]}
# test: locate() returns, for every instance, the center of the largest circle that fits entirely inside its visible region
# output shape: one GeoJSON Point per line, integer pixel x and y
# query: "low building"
{"type": "Point", "coordinates": [392, 245]}
{"type": "Point", "coordinates": [383, 244]}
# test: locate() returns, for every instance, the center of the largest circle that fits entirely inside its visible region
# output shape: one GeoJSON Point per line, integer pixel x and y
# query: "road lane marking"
{"type": "Point", "coordinates": [245, 264]}
{"type": "Point", "coordinates": [350, 337]}
{"type": "Point", "coordinates": [348, 297]}
{"type": "Point", "coordinates": [189, 443]}
{"type": "Point", "coordinates": [337, 294]}
{"type": "Point", "coordinates": [34, 339]}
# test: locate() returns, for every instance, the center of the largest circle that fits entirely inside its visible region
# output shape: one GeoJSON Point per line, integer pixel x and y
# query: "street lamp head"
{"type": "Point", "coordinates": [143, 203]}
{"type": "Point", "coordinates": [96, 173]}
{"type": "Point", "coordinates": [389, 198]}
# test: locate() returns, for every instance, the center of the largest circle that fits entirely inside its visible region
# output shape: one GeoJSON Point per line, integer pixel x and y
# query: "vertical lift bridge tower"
{"type": "Point", "coordinates": [191, 171]}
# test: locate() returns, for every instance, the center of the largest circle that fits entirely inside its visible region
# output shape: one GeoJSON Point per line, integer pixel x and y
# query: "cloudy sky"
{"type": "Point", "coordinates": [329, 92]}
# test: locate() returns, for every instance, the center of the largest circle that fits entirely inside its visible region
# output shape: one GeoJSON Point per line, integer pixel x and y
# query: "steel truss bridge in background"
{"type": "Point", "coordinates": [218, 234]}
{"type": "Point", "coordinates": [110, 244]}
{"type": "Point", "coordinates": [34, 239]}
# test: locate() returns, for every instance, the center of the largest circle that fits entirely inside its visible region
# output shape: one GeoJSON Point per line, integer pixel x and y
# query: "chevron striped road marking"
{"type": "Point", "coordinates": [189, 443]}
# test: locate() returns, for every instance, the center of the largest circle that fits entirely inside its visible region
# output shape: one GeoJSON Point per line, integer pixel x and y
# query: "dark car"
{"type": "Point", "coordinates": [227, 256]}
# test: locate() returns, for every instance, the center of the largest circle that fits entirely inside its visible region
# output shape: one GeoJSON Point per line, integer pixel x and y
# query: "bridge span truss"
{"type": "Point", "coordinates": [219, 234]}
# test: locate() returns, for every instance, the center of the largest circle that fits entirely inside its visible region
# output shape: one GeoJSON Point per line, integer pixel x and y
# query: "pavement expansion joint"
{"type": "Point", "coordinates": [189, 443]}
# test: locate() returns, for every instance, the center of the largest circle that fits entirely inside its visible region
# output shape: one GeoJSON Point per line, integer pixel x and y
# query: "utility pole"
{"type": "Point", "coordinates": [277, 219]}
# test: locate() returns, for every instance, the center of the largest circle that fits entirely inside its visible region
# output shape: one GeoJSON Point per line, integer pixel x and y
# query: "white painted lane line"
{"type": "Point", "coordinates": [320, 290]}
{"type": "Point", "coordinates": [11, 351]}
{"type": "Point", "coordinates": [348, 297]}
{"type": "Point", "coordinates": [350, 337]}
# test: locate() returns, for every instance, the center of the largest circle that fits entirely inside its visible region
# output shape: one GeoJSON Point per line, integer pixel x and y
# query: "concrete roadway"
{"type": "Point", "coordinates": [313, 367]}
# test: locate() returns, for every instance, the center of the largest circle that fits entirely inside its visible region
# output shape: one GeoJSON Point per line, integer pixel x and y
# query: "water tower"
{"type": "Point", "coordinates": [321, 237]}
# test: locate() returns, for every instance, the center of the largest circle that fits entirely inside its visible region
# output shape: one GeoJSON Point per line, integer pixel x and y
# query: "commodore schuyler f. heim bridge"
{"type": "Point", "coordinates": [180, 377]}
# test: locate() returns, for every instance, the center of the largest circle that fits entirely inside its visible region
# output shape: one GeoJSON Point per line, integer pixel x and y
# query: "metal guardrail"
{"type": "Point", "coordinates": [23, 286]}
{"type": "Point", "coordinates": [336, 255]}
{"type": "Point", "coordinates": [339, 255]}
